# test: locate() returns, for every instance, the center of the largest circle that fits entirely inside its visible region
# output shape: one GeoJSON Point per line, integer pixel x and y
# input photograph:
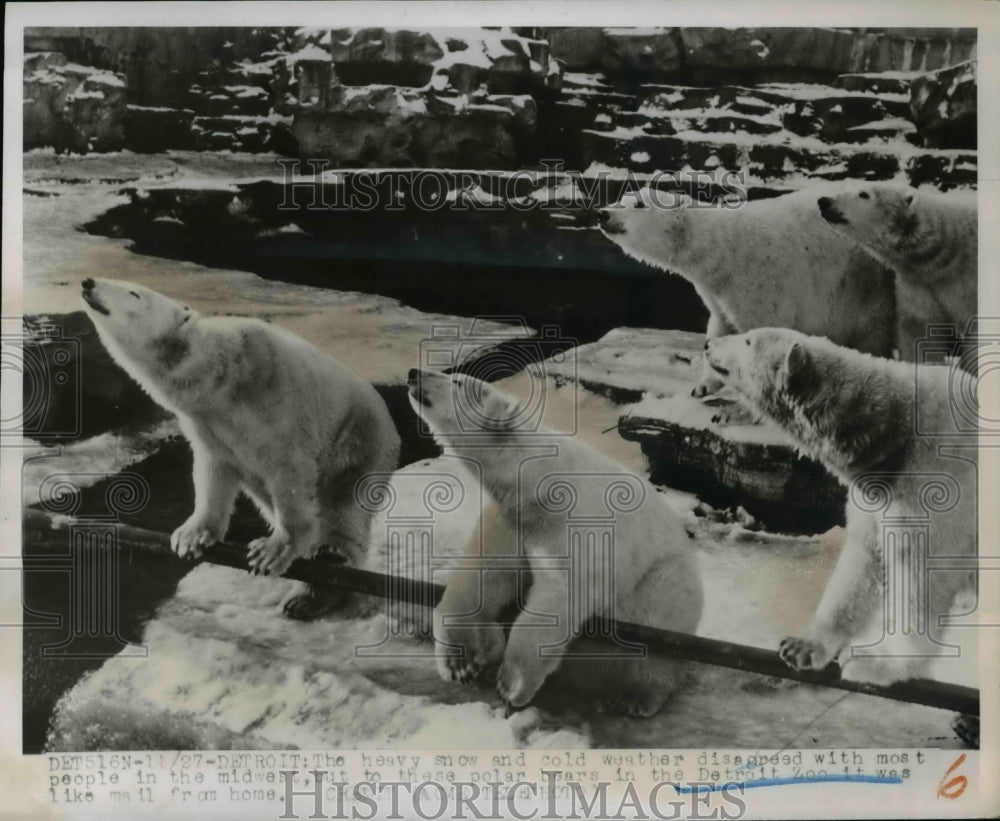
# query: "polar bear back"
{"type": "Point", "coordinates": [262, 394]}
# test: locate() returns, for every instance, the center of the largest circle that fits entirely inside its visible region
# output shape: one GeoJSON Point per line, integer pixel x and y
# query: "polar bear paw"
{"type": "Point", "coordinates": [707, 387]}
{"type": "Point", "coordinates": [473, 649]}
{"type": "Point", "coordinates": [305, 602]}
{"type": "Point", "coordinates": [271, 555]}
{"type": "Point", "coordinates": [461, 667]}
{"type": "Point", "coordinates": [519, 678]}
{"type": "Point", "coordinates": [802, 654]}
{"type": "Point", "coordinates": [736, 414]}
{"type": "Point", "coordinates": [191, 538]}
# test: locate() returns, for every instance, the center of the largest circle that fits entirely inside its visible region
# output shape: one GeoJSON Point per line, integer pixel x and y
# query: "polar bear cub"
{"type": "Point", "coordinates": [265, 413]}
{"type": "Point", "coordinates": [596, 541]}
{"type": "Point", "coordinates": [901, 438]}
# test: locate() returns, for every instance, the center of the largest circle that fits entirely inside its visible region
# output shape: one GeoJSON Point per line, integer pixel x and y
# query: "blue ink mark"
{"type": "Point", "coordinates": [781, 782]}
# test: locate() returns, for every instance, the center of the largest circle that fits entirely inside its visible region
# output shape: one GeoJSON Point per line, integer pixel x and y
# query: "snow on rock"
{"type": "Point", "coordinates": [894, 82]}
{"type": "Point", "coordinates": [434, 98]}
{"type": "Point", "coordinates": [70, 106]}
{"type": "Point", "coordinates": [501, 60]}
{"type": "Point", "coordinates": [755, 465]}
{"type": "Point", "coordinates": [777, 155]}
{"type": "Point", "coordinates": [310, 53]}
{"type": "Point", "coordinates": [627, 362]}
{"type": "Point", "coordinates": [944, 106]}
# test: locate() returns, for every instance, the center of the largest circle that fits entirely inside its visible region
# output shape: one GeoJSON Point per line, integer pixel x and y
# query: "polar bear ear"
{"type": "Point", "coordinates": [799, 370]}
{"type": "Point", "coordinates": [910, 199]}
{"type": "Point", "coordinates": [500, 413]}
{"type": "Point", "coordinates": [512, 414]}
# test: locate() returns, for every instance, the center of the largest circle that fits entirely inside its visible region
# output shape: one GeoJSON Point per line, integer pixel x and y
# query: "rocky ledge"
{"type": "Point", "coordinates": [753, 466]}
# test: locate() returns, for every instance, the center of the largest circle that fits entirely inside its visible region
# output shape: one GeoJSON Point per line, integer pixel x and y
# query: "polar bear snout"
{"type": "Point", "coordinates": [829, 211]}
{"type": "Point", "coordinates": [416, 389]}
{"type": "Point", "coordinates": [714, 360]}
{"type": "Point", "coordinates": [91, 298]}
{"type": "Point", "coordinates": [610, 221]}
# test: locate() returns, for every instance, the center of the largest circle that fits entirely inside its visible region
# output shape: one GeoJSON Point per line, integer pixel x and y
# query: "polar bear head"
{"type": "Point", "coordinates": [774, 369]}
{"type": "Point", "coordinates": [843, 407]}
{"type": "Point", "coordinates": [456, 405]}
{"type": "Point", "coordinates": [649, 225]}
{"type": "Point", "coordinates": [874, 215]}
{"type": "Point", "coordinates": [144, 331]}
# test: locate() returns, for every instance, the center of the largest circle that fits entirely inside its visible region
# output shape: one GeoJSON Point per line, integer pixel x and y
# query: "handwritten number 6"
{"type": "Point", "coordinates": [956, 786]}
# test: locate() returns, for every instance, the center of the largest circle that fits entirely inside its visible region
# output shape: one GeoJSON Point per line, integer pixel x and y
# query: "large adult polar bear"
{"type": "Point", "coordinates": [597, 542]}
{"type": "Point", "coordinates": [931, 241]}
{"type": "Point", "coordinates": [265, 412]}
{"type": "Point", "coordinates": [902, 438]}
{"type": "Point", "coordinates": [772, 262]}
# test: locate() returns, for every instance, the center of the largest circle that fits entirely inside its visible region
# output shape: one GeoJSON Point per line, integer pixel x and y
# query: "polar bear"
{"type": "Point", "coordinates": [266, 413]}
{"type": "Point", "coordinates": [771, 262]}
{"type": "Point", "coordinates": [931, 241]}
{"type": "Point", "coordinates": [596, 541]}
{"type": "Point", "coordinates": [901, 437]}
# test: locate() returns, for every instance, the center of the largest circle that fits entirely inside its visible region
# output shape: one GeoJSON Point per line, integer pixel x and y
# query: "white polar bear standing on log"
{"type": "Point", "coordinates": [548, 492]}
{"type": "Point", "coordinates": [931, 241]}
{"type": "Point", "coordinates": [771, 262]}
{"type": "Point", "coordinates": [902, 439]}
{"type": "Point", "coordinates": [265, 412]}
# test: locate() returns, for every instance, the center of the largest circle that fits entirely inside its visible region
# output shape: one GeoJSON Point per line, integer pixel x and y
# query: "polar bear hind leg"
{"type": "Point", "coordinates": [666, 598]}
{"type": "Point", "coordinates": [343, 533]}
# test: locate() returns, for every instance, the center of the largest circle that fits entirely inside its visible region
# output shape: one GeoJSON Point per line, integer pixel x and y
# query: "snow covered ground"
{"type": "Point", "coordinates": [224, 669]}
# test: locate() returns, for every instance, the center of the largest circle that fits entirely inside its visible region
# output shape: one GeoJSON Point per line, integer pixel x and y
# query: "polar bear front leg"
{"type": "Point", "coordinates": [295, 534]}
{"type": "Point", "coordinates": [852, 596]}
{"type": "Point", "coordinates": [534, 651]}
{"type": "Point", "coordinates": [466, 631]}
{"type": "Point", "coordinates": [717, 326]}
{"type": "Point", "coordinates": [216, 485]}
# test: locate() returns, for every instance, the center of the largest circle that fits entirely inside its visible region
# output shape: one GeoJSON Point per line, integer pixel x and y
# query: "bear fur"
{"type": "Point", "coordinates": [541, 483]}
{"type": "Point", "coordinates": [931, 241]}
{"type": "Point", "coordinates": [265, 412]}
{"type": "Point", "coordinates": [901, 437]}
{"type": "Point", "coordinates": [771, 262]}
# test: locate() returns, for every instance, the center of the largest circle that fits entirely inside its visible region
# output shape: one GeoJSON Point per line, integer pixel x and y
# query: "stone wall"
{"type": "Point", "coordinates": [709, 56]}
{"type": "Point", "coordinates": [640, 99]}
